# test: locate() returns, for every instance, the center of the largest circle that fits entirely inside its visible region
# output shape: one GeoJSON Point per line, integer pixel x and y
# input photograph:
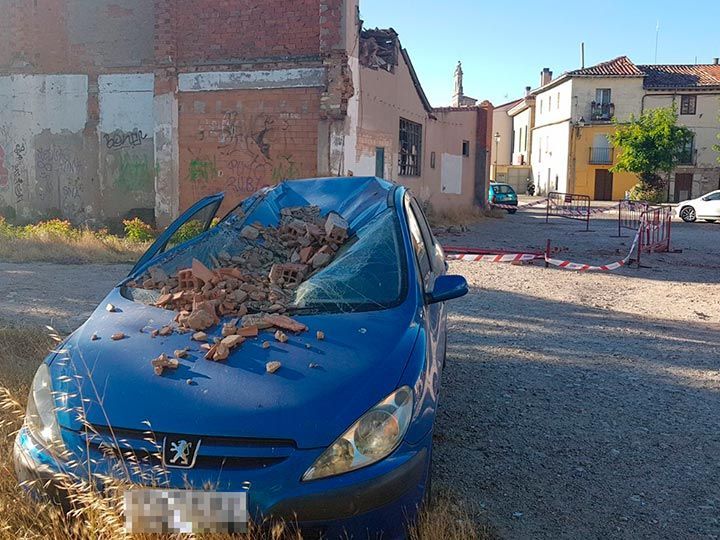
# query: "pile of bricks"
{"type": "Point", "coordinates": [260, 280]}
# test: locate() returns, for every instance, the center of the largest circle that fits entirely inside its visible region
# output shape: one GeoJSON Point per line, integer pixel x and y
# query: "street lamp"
{"type": "Point", "coordinates": [497, 142]}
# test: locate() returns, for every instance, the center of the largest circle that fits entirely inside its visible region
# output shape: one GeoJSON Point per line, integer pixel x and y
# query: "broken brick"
{"type": "Point", "coordinates": [181, 353]}
{"type": "Point", "coordinates": [281, 336]}
{"type": "Point", "coordinates": [250, 233]}
{"type": "Point", "coordinates": [322, 257]}
{"type": "Point", "coordinates": [249, 331]}
{"type": "Point", "coordinates": [232, 341]}
{"type": "Point", "coordinates": [118, 336]}
{"type": "Point", "coordinates": [164, 300]}
{"type": "Point", "coordinates": [320, 335]}
{"type": "Point", "coordinates": [306, 254]}
{"type": "Point", "coordinates": [94, 337]}
{"type": "Point", "coordinates": [272, 367]}
{"type": "Point", "coordinates": [199, 336]}
{"type": "Point", "coordinates": [202, 272]}
{"type": "Point", "coordinates": [266, 345]}
{"type": "Point", "coordinates": [110, 308]}
{"type": "Point", "coordinates": [288, 274]}
{"type": "Point", "coordinates": [336, 228]}
{"type": "Point", "coordinates": [229, 329]}
{"type": "Point", "coordinates": [285, 323]}
{"type": "Point", "coordinates": [165, 331]}
{"type": "Point", "coordinates": [222, 351]}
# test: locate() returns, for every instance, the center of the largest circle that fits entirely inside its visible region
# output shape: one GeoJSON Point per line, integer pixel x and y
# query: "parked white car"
{"type": "Point", "coordinates": [706, 207]}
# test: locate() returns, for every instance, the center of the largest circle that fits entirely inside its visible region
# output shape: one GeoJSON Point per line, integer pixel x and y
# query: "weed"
{"type": "Point", "coordinates": [136, 230]}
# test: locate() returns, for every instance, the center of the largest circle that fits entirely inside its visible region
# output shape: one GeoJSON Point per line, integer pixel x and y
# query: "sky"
{"type": "Point", "coordinates": [504, 46]}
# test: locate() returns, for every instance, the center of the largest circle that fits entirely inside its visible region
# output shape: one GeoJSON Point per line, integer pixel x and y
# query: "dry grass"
{"type": "Point", "coordinates": [98, 516]}
{"type": "Point", "coordinates": [87, 247]}
{"type": "Point", "coordinates": [461, 217]}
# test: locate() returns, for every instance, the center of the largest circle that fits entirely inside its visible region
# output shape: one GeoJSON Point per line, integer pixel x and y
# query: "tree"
{"type": "Point", "coordinates": [649, 145]}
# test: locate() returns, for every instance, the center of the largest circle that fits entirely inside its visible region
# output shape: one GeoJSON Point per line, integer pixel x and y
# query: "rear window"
{"type": "Point", "coordinates": [503, 189]}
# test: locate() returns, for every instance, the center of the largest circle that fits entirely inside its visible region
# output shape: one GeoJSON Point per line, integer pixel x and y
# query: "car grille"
{"type": "Point", "coordinates": [227, 453]}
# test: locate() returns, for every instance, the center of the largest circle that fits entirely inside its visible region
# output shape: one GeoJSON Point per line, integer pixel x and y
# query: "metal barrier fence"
{"type": "Point", "coordinates": [630, 214]}
{"type": "Point", "coordinates": [656, 224]}
{"type": "Point", "coordinates": [568, 205]}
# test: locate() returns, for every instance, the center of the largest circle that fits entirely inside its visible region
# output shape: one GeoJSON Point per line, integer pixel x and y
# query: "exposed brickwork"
{"type": "Point", "coordinates": [208, 30]}
{"type": "Point", "coordinates": [239, 141]}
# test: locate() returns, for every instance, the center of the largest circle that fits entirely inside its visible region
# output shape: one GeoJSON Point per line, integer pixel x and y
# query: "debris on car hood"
{"type": "Point", "coordinates": [260, 280]}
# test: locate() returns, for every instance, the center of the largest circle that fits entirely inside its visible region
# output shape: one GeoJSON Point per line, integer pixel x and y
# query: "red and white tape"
{"type": "Point", "coordinates": [507, 257]}
{"type": "Point", "coordinates": [590, 268]}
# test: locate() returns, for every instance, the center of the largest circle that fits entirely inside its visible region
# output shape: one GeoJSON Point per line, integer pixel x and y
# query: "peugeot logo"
{"type": "Point", "coordinates": [180, 452]}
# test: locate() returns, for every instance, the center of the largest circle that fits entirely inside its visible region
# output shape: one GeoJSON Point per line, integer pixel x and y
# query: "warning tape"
{"type": "Point", "coordinates": [507, 257]}
{"type": "Point", "coordinates": [590, 268]}
{"type": "Point", "coordinates": [581, 213]}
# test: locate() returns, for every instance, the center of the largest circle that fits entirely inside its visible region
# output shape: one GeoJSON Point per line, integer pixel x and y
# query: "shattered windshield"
{"type": "Point", "coordinates": [306, 262]}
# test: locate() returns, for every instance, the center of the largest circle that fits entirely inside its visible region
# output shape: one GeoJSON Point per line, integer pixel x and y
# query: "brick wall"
{"type": "Point", "coordinates": [212, 30]}
{"type": "Point", "coordinates": [239, 141]}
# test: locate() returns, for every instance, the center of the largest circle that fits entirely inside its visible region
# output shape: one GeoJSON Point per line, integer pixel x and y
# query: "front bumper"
{"type": "Point", "coordinates": [375, 502]}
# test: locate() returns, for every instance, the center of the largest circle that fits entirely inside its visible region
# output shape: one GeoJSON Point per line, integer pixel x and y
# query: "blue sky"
{"type": "Point", "coordinates": [504, 46]}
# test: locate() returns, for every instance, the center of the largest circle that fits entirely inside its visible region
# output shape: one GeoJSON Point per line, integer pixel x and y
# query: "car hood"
{"type": "Point", "coordinates": [321, 389]}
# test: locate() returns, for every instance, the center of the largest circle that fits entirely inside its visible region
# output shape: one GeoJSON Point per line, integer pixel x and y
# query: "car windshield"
{"type": "Point", "coordinates": [367, 272]}
{"type": "Point", "coordinates": [503, 189]}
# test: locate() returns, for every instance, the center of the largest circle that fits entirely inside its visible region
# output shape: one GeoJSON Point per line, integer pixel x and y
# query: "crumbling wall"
{"type": "Point", "coordinates": [42, 120]}
{"type": "Point", "coordinates": [240, 141]}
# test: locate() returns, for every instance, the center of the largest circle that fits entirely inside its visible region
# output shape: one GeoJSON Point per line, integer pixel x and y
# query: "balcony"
{"type": "Point", "coordinates": [601, 112]}
{"type": "Point", "coordinates": [600, 155]}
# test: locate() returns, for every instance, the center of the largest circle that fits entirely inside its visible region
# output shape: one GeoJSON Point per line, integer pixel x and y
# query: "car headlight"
{"type": "Point", "coordinates": [372, 438]}
{"type": "Point", "coordinates": [40, 417]}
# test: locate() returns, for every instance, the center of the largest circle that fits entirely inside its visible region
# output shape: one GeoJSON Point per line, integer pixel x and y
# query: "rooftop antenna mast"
{"type": "Point", "coordinates": [657, 39]}
{"type": "Point", "coordinates": [582, 55]}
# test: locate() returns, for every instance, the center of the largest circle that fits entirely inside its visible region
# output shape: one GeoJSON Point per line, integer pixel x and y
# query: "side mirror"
{"type": "Point", "coordinates": [447, 288]}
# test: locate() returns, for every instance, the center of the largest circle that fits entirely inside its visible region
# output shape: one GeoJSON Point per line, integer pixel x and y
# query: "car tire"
{"type": "Point", "coordinates": [711, 220]}
{"type": "Point", "coordinates": [512, 211]}
{"type": "Point", "coordinates": [688, 214]}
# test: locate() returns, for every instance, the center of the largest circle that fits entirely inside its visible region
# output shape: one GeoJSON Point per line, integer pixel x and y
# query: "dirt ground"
{"type": "Point", "coordinates": [573, 406]}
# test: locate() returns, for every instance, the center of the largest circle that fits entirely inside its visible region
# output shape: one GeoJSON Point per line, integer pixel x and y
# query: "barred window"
{"type": "Point", "coordinates": [410, 148]}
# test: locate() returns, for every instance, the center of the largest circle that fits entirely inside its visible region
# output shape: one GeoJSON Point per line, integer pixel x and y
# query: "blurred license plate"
{"type": "Point", "coordinates": [180, 511]}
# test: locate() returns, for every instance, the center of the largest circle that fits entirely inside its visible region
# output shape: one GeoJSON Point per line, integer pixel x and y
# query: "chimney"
{"type": "Point", "coordinates": [545, 76]}
{"type": "Point", "coordinates": [716, 61]}
{"type": "Point", "coordinates": [527, 91]}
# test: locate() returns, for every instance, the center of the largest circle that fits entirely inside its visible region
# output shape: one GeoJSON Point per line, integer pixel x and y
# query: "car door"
{"type": "Point", "coordinates": [203, 212]}
{"type": "Point", "coordinates": [711, 205]}
{"type": "Point", "coordinates": [431, 263]}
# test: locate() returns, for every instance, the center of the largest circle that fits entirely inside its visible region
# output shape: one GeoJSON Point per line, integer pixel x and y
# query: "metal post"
{"type": "Point", "coordinates": [547, 253]}
{"type": "Point", "coordinates": [547, 210]}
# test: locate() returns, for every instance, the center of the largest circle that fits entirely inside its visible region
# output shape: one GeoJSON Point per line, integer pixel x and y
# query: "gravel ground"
{"type": "Point", "coordinates": [574, 405]}
{"type": "Point", "coordinates": [585, 405]}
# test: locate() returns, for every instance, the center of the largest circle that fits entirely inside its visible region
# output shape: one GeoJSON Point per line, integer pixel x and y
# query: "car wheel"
{"type": "Point", "coordinates": [687, 214]}
{"type": "Point", "coordinates": [512, 211]}
{"type": "Point", "coordinates": [711, 220]}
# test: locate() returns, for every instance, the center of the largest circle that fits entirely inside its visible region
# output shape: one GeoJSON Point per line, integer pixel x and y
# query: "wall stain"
{"type": "Point", "coordinates": [135, 173]}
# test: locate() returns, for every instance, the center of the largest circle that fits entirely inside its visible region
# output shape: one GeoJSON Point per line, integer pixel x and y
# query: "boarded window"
{"type": "Point", "coordinates": [410, 148]}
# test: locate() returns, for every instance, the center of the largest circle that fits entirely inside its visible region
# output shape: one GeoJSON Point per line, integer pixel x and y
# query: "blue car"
{"type": "Point", "coordinates": [336, 437]}
{"type": "Point", "coordinates": [503, 194]}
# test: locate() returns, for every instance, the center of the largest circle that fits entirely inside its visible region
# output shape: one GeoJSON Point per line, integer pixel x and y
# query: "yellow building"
{"type": "Point", "coordinates": [591, 158]}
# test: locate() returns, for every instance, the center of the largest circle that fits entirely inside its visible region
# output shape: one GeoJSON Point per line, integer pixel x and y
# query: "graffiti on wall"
{"type": "Point", "coordinates": [4, 173]}
{"type": "Point", "coordinates": [248, 154]}
{"type": "Point", "coordinates": [135, 172]}
{"type": "Point", "coordinates": [19, 171]}
{"type": "Point", "coordinates": [203, 169]}
{"type": "Point", "coordinates": [54, 165]}
{"type": "Point", "coordinates": [124, 139]}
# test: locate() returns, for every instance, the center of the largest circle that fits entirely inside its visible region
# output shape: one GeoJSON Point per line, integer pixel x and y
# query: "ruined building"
{"type": "Point", "coordinates": [109, 109]}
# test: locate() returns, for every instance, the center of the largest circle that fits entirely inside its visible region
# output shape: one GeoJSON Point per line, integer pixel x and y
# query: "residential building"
{"type": "Point", "coordinates": [442, 154]}
{"type": "Point", "coordinates": [577, 112]}
{"type": "Point", "coordinates": [112, 109]}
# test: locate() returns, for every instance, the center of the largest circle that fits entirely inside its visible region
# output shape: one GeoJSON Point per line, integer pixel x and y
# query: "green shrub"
{"type": "Point", "coordinates": [188, 231]}
{"type": "Point", "coordinates": [52, 229]}
{"type": "Point", "coordinates": [136, 230]}
{"type": "Point", "coordinates": [7, 230]}
{"type": "Point", "coordinates": [647, 193]}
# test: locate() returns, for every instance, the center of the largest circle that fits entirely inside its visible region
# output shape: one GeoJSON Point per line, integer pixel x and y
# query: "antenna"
{"type": "Point", "coordinates": [582, 55]}
{"type": "Point", "coordinates": [657, 38]}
